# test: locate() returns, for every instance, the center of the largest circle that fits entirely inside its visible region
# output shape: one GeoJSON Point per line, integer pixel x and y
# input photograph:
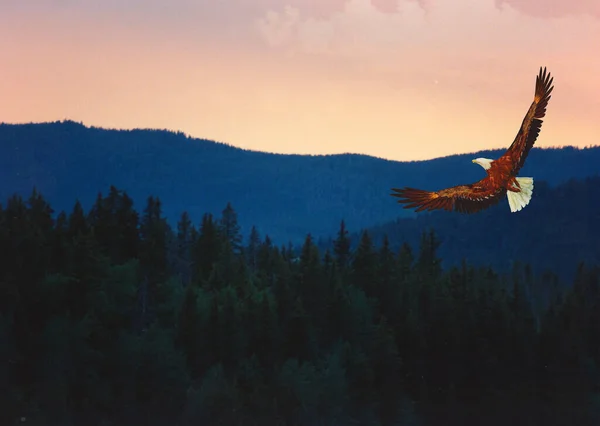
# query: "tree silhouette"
{"type": "Point", "coordinates": [101, 323]}
{"type": "Point", "coordinates": [230, 229]}
{"type": "Point", "coordinates": [342, 246]}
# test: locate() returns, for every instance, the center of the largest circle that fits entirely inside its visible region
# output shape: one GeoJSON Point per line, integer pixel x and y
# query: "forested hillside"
{"type": "Point", "coordinates": [557, 230]}
{"type": "Point", "coordinates": [286, 196]}
{"type": "Point", "coordinates": [110, 317]}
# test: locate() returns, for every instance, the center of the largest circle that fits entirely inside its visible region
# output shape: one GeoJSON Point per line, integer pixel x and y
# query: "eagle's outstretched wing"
{"type": "Point", "coordinates": [463, 198]}
{"type": "Point", "coordinates": [516, 154]}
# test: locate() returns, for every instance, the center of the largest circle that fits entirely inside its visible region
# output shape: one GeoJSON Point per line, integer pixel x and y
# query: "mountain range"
{"type": "Point", "coordinates": [285, 196]}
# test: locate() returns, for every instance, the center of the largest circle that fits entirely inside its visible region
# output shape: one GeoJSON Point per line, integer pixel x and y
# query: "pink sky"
{"type": "Point", "coordinates": [404, 80]}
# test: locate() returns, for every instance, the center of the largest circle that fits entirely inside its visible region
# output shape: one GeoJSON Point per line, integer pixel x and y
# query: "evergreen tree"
{"type": "Point", "coordinates": [342, 246]}
{"type": "Point", "coordinates": [311, 283]}
{"type": "Point", "coordinates": [207, 248]}
{"type": "Point", "coordinates": [230, 230]}
{"type": "Point", "coordinates": [59, 256]}
{"type": "Point", "coordinates": [428, 265]}
{"type": "Point", "coordinates": [388, 292]}
{"type": "Point", "coordinates": [127, 227]}
{"type": "Point", "coordinates": [188, 330]}
{"type": "Point", "coordinates": [100, 222]}
{"type": "Point", "coordinates": [40, 229]}
{"type": "Point", "coordinates": [264, 256]}
{"type": "Point", "coordinates": [364, 266]}
{"type": "Point", "coordinates": [183, 255]}
{"type": "Point", "coordinates": [405, 262]}
{"type": "Point", "coordinates": [78, 224]}
{"type": "Point", "coordinates": [153, 258]}
{"type": "Point", "coordinates": [252, 248]}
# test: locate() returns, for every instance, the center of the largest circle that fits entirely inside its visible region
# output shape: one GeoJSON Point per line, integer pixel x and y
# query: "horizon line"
{"type": "Point", "coordinates": [199, 138]}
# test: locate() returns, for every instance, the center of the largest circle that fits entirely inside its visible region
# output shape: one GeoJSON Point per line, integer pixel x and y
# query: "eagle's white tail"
{"type": "Point", "coordinates": [518, 200]}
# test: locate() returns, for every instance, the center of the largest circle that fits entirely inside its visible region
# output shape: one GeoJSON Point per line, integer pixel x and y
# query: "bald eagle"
{"type": "Point", "coordinates": [501, 174]}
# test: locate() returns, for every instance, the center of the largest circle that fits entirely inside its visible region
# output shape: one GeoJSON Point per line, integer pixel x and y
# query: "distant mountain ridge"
{"type": "Point", "coordinates": [285, 196]}
{"type": "Point", "coordinates": [559, 229]}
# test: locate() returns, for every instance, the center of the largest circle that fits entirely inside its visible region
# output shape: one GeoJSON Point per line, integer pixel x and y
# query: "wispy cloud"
{"type": "Point", "coordinates": [279, 27]}
{"type": "Point", "coordinates": [553, 8]}
{"type": "Point", "coordinates": [463, 40]}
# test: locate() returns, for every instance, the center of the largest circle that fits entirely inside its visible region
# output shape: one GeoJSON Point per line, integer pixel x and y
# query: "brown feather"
{"type": "Point", "coordinates": [531, 125]}
{"type": "Point", "coordinates": [463, 198]}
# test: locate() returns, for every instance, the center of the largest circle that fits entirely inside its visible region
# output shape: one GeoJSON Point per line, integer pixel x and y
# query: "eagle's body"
{"type": "Point", "coordinates": [501, 174]}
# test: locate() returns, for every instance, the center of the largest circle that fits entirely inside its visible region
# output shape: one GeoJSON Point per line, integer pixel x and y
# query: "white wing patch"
{"type": "Point", "coordinates": [518, 200]}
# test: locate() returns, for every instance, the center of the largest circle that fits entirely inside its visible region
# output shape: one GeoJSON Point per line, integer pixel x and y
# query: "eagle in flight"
{"type": "Point", "coordinates": [501, 174]}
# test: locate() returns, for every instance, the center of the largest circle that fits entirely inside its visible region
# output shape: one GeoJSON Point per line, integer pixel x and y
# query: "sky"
{"type": "Point", "coordinates": [398, 79]}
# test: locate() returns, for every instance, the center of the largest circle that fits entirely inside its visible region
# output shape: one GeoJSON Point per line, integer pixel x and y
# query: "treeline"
{"type": "Point", "coordinates": [110, 317]}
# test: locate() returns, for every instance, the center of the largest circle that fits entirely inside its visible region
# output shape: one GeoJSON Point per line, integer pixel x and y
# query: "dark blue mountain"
{"type": "Point", "coordinates": [285, 196]}
{"type": "Point", "coordinates": [558, 230]}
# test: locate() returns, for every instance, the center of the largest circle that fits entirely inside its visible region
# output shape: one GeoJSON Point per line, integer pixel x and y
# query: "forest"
{"type": "Point", "coordinates": [558, 229]}
{"type": "Point", "coordinates": [284, 196]}
{"type": "Point", "coordinates": [112, 317]}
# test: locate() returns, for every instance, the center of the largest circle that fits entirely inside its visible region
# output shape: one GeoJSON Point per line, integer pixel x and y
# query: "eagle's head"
{"type": "Point", "coordinates": [486, 163]}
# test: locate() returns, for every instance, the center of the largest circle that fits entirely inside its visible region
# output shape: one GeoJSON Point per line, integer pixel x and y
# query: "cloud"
{"type": "Point", "coordinates": [385, 6]}
{"type": "Point", "coordinates": [319, 9]}
{"type": "Point", "coordinates": [462, 44]}
{"type": "Point", "coordinates": [357, 29]}
{"type": "Point", "coordinates": [278, 27]}
{"type": "Point", "coordinates": [324, 9]}
{"type": "Point", "coordinates": [473, 29]}
{"type": "Point", "coordinates": [553, 8]}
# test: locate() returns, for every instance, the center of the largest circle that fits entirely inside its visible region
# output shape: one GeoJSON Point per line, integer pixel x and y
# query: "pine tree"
{"type": "Point", "coordinates": [342, 246]}
{"type": "Point", "coordinates": [335, 305]}
{"type": "Point", "coordinates": [230, 230]}
{"type": "Point", "coordinates": [284, 295]}
{"type": "Point", "coordinates": [187, 330]}
{"type": "Point", "coordinates": [183, 250]}
{"type": "Point", "coordinates": [428, 265]}
{"type": "Point", "coordinates": [126, 227]}
{"type": "Point", "coordinates": [24, 266]}
{"type": "Point", "coordinates": [388, 291]}
{"type": "Point", "coordinates": [60, 245]}
{"type": "Point", "coordinates": [310, 279]}
{"type": "Point", "coordinates": [364, 266]}
{"type": "Point", "coordinates": [153, 257]}
{"type": "Point", "coordinates": [230, 335]}
{"type": "Point", "coordinates": [78, 223]}
{"type": "Point", "coordinates": [253, 248]}
{"type": "Point", "coordinates": [8, 286]}
{"type": "Point", "coordinates": [268, 257]}
{"type": "Point", "coordinates": [405, 262]}
{"type": "Point", "coordinates": [207, 249]}
{"type": "Point", "coordinates": [40, 232]}
{"type": "Point", "coordinates": [264, 341]}
{"type": "Point", "coordinates": [99, 220]}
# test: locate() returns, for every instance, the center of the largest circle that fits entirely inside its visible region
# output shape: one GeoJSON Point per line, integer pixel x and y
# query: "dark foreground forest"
{"type": "Point", "coordinates": [109, 317]}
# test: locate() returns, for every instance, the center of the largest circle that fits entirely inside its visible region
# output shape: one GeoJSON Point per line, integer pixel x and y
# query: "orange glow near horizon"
{"type": "Point", "coordinates": [403, 80]}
